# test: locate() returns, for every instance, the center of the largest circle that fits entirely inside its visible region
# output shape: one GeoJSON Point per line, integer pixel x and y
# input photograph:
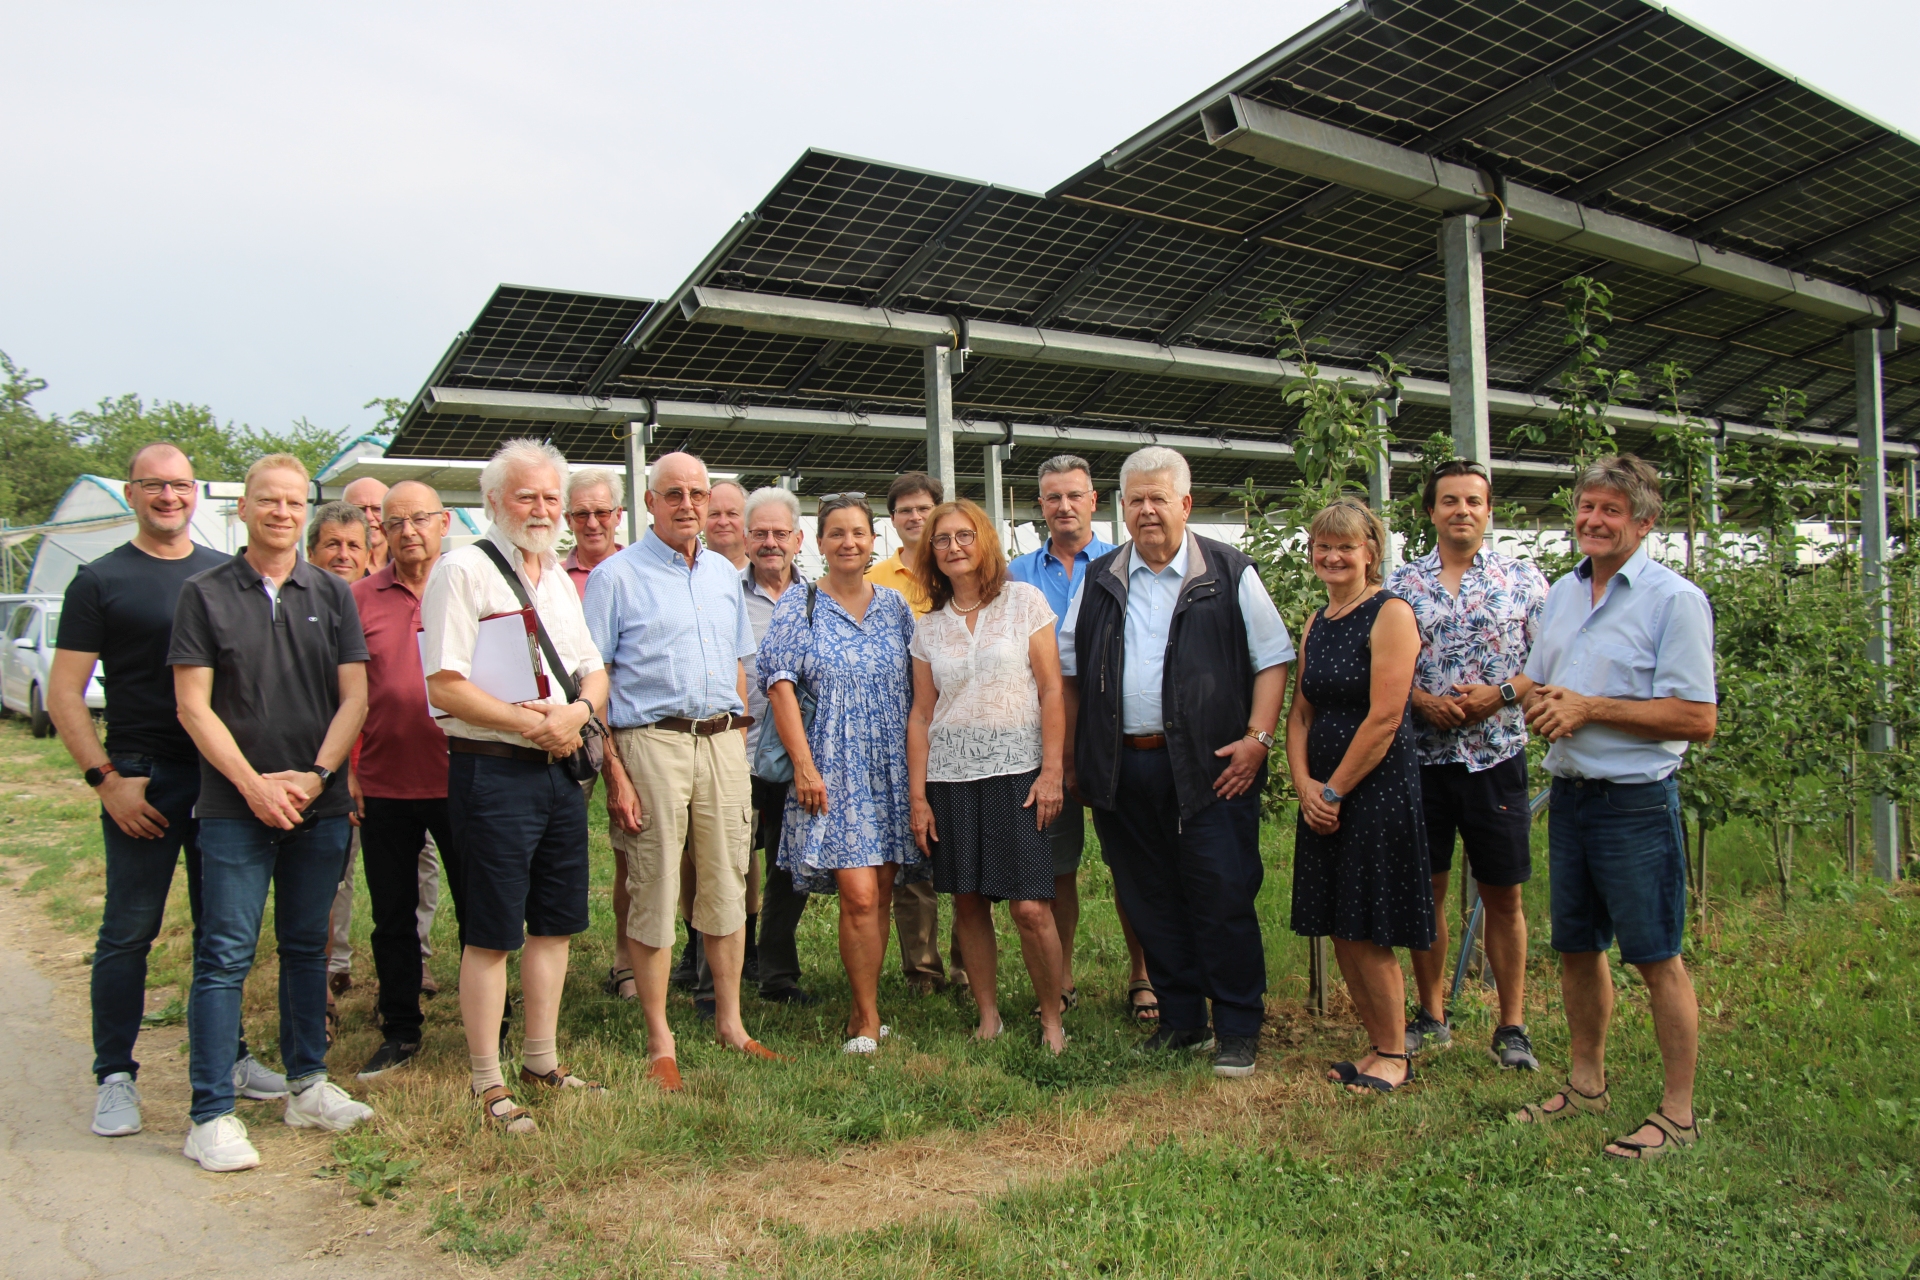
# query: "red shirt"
{"type": "Point", "coordinates": [579, 573]}
{"type": "Point", "coordinates": [403, 753]}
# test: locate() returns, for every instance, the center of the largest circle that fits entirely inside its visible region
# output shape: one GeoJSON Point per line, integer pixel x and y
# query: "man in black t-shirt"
{"type": "Point", "coordinates": [119, 613]}
{"type": "Point", "coordinates": [270, 673]}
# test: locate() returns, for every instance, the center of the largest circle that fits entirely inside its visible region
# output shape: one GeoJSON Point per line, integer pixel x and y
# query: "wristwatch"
{"type": "Point", "coordinates": [324, 774]}
{"type": "Point", "coordinates": [1330, 795]}
{"type": "Point", "coordinates": [1260, 736]}
{"type": "Point", "coordinates": [1508, 694]}
{"type": "Point", "coordinates": [97, 776]}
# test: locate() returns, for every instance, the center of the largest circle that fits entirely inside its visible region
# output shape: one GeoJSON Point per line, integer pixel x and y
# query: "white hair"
{"type": "Point", "coordinates": [1157, 460]}
{"type": "Point", "coordinates": [653, 470]}
{"type": "Point", "coordinates": [589, 477]}
{"type": "Point", "coordinates": [519, 453]}
{"type": "Point", "coordinates": [780, 497]}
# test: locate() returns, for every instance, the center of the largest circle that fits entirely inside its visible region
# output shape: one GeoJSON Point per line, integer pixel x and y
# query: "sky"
{"type": "Point", "coordinates": [289, 210]}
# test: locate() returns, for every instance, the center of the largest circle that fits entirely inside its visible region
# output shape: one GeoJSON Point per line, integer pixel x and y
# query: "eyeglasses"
{"type": "Point", "coordinates": [154, 488]}
{"type": "Point", "coordinates": [1071, 495]}
{"type": "Point", "coordinates": [682, 497]}
{"type": "Point", "coordinates": [769, 535]}
{"type": "Point", "coordinates": [597, 515]}
{"type": "Point", "coordinates": [958, 538]}
{"type": "Point", "coordinates": [421, 520]}
{"type": "Point", "coordinates": [1342, 549]}
{"type": "Point", "coordinates": [853, 495]}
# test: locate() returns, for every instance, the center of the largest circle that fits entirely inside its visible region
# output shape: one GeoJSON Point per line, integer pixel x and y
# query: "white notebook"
{"type": "Point", "coordinates": [505, 660]}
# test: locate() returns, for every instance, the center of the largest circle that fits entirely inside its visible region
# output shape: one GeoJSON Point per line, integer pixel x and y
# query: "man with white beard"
{"type": "Point", "coordinates": [517, 816]}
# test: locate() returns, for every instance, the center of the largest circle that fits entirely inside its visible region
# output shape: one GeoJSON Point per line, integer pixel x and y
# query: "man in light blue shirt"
{"type": "Point", "coordinates": [667, 615]}
{"type": "Point", "coordinates": [1059, 568]}
{"type": "Point", "coordinates": [1624, 664]}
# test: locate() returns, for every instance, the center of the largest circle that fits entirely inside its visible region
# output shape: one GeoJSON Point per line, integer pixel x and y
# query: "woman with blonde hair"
{"type": "Point", "coordinates": [1360, 871]}
{"type": "Point", "coordinates": [985, 746]}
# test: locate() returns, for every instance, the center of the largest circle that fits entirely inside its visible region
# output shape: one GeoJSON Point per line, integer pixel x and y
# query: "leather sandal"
{"type": "Point", "coordinates": [754, 1049]}
{"type": "Point", "coordinates": [618, 977]}
{"type": "Point", "coordinates": [1149, 1012]}
{"type": "Point", "coordinates": [1673, 1137]}
{"type": "Point", "coordinates": [502, 1113]}
{"type": "Point", "coordinates": [1362, 1080]}
{"type": "Point", "coordinates": [665, 1072]}
{"type": "Point", "coordinates": [1572, 1100]}
{"type": "Point", "coordinates": [560, 1078]}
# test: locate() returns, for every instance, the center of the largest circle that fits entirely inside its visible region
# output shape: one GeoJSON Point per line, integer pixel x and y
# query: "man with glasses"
{"type": "Point", "coordinates": [337, 541]}
{"type": "Point", "coordinates": [1059, 568]}
{"type": "Point", "coordinates": [667, 614]}
{"type": "Point", "coordinates": [399, 778]}
{"type": "Point", "coordinates": [595, 512]}
{"type": "Point", "coordinates": [911, 498]}
{"type": "Point", "coordinates": [1479, 612]}
{"type": "Point", "coordinates": [119, 614]}
{"type": "Point", "coordinates": [367, 494]}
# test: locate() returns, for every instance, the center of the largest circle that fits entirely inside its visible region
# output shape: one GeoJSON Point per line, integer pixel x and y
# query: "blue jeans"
{"type": "Point", "coordinates": [239, 858]}
{"type": "Point", "coordinates": [1618, 863]}
{"type": "Point", "coordinates": [139, 877]}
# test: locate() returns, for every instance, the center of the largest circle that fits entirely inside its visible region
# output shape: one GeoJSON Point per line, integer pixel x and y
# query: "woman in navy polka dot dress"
{"type": "Point", "coordinates": [1360, 869]}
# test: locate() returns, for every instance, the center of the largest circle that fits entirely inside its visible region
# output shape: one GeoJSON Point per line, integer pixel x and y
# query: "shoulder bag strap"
{"type": "Point", "coordinates": [560, 672]}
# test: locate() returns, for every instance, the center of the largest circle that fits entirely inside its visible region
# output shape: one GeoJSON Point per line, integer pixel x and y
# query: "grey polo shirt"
{"type": "Point", "coordinates": [759, 606]}
{"type": "Point", "coordinates": [275, 659]}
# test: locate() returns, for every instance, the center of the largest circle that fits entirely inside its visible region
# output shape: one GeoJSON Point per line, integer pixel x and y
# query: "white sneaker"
{"type": "Point", "coordinates": [325, 1106]}
{"type": "Point", "coordinates": [220, 1145]}
{"type": "Point", "coordinates": [252, 1080]}
{"type": "Point", "coordinates": [116, 1108]}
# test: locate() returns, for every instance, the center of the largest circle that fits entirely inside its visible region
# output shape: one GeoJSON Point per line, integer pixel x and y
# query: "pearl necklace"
{"type": "Point", "coordinates": [955, 606]}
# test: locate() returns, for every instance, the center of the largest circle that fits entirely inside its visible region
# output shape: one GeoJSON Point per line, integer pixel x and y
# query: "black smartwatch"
{"type": "Point", "coordinates": [98, 775]}
{"type": "Point", "coordinates": [324, 774]}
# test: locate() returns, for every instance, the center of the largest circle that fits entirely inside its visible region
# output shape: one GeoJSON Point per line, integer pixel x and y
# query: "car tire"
{"type": "Point", "coordinates": [37, 714]}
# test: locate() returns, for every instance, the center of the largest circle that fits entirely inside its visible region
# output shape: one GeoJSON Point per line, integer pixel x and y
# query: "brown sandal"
{"type": "Point", "coordinates": [1673, 1137]}
{"type": "Point", "coordinates": [502, 1113]}
{"type": "Point", "coordinates": [1572, 1101]}
{"type": "Point", "coordinates": [666, 1073]}
{"type": "Point", "coordinates": [561, 1078]}
{"type": "Point", "coordinates": [754, 1049]}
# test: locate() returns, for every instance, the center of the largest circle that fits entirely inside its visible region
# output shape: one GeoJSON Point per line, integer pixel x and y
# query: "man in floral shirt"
{"type": "Point", "coordinates": [1478, 612]}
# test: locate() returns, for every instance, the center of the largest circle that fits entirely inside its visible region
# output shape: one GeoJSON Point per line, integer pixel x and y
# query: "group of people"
{"type": "Point", "coordinates": [937, 723]}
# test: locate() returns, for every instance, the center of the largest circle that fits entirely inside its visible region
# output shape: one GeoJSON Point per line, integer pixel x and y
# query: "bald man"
{"type": "Point", "coordinates": [367, 494]}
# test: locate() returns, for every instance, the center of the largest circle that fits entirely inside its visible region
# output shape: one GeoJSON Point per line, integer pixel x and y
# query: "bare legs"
{"type": "Point", "coordinates": [1505, 932]}
{"type": "Point", "coordinates": [1040, 947]}
{"type": "Point", "coordinates": [1136, 954]}
{"type": "Point", "coordinates": [866, 900]}
{"type": "Point", "coordinates": [622, 955]}
{"type": "Point", "coordinates": [973, 926]}
{"type": "Point", "coordinates": [725, 954]}
{"type": "Point", "coordinates": [1586, 986]}
{"type": "Point", "coordinates": [483, 991]}
{"type": "Point", "coordinates": [1379, 993]}
{"type": "Point", "coordinates": [651, 965]}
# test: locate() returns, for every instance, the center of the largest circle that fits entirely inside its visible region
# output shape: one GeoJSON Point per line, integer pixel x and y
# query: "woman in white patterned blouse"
{"type": "Point", "coordinates": [984, 748]}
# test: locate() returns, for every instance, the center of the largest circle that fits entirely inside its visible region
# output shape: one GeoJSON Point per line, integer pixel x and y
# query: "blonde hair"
{"type": "Point", "coordinates": [1351, 518]}
{"type": "Point", "coordinates": [278, 462]}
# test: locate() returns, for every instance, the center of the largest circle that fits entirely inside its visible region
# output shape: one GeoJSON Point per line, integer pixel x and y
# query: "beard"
{"type": "Point", "coordinates": [536, 537]}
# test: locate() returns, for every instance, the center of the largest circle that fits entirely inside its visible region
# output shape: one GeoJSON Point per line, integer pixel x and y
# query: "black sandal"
{"type": "Point", "coordinates": [1069, 1001]}
{"type": "Point", "coordinates": [1342, 1073]}
{"type": "Point", "coordinates": [616, 978]}
{"type": "Point", "coordinates": [1375, 1083]}
{"type": "Point", "coordinates": [1142, 1012]}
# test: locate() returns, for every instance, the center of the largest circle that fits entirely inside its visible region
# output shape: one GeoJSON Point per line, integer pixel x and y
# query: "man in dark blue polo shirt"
{"type": "Point", "coordinates": [270, 674]}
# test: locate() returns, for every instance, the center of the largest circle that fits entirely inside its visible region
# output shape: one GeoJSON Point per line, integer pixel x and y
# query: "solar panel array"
{"type": "Point", "coordinates": [1610, 102]}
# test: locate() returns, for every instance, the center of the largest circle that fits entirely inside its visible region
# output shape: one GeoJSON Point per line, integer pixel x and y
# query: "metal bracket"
{"type": "Point", "coordinates": [962, 345]}
{"type": "Point", "coordinates": [1493, 231]}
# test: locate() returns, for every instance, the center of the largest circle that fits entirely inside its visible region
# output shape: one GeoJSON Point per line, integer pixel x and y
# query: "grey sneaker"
{"type": "Point", "coordinates": [1234, 1057]}
{"type": "Point", "coordinates": [1424, 1031]}
{"type": "Point", "coordinates": [252, 1080]}
{"type": "Point", "coordinates": [1513, 1050]}
{"type": "Point", "coordinates": [1167, 1040]}
{"type": "Point", "coordinates": [116, 1108]}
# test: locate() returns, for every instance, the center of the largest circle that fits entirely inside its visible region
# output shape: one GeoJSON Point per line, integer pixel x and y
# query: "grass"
{"type": "Point", "coordinates": [945, 1158]}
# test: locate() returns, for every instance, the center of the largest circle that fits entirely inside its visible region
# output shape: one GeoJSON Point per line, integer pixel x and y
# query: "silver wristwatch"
{"type": "Point", "coordinates": [1260, 736]}
{"type": "Point", "coordinates": [1508, 694]}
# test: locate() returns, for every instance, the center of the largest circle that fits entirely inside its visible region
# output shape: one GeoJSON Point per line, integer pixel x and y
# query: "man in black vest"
{"type": "Point", "coordinates": [1177, 665]}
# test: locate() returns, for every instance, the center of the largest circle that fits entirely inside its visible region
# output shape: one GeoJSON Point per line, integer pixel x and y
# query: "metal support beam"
{"type": "Point", "coordinates": [1466, 338]}
{"type": "Point", "coordinates": [1380, 484]}
{"type": "Point", "coordinates": [1771, 195]}
{"type": "Point", "coordinates": [1849, 235]}
{"type": "Point", "coordinates": [907, 272]}
{"type": "Point", "coordinates": [1666, 149]}
{"type": "Point", "coordinates": [1119, 516]}
{"type": "Point", "coordinates": [1869, 345]}
{"type": "Point", "coordinates": [939, 383]}
{"type": "Point", "coordinates": [1207, 301]}
{"type": "Point", "coordinates": [636, 442]}
{"type": "Point", "coordinates": [996, 503]}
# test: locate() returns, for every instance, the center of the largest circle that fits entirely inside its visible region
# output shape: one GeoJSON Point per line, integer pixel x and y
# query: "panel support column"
{"type": "Point", "coordinates": [940, 420]}
{"type": "Point", "coordinates": [996, 503]}
{"type": "Point", "coordinates": [1869, 345]}
{"type": "Point", "coordinates": [1460, 250]}
{"type": "Point", "coordinates": [639, 436]}
{"type": "Point", "coordinates": [1380, 484]}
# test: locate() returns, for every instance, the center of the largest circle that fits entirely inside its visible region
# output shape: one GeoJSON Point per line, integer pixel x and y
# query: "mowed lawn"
{"type": "Point", "coordinates": [941, 1157]}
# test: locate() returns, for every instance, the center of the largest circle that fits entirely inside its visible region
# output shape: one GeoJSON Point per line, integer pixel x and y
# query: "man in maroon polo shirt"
{"type": "Point", "coordinates": [400, 780]}
{"type": "Point", "coordinates": [594, 513]}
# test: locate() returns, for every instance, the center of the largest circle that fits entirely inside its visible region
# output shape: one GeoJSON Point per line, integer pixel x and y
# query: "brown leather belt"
{"type": "Point", "coordinates": [502, 750]}
{"type": "Point", "coordinates": [1144, 741]}
{"type": "Point", "coordinates": [701, 728]}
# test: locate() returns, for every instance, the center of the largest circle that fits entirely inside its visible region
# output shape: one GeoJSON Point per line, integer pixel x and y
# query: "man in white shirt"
{"type": "Point", "coordinates": [519, 819]}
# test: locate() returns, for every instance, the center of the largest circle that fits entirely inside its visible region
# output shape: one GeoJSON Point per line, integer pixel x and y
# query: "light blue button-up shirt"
{"type": "Point", "coordinates": [672, 635]}
{"type": "Point", "coordinates": [1651, 636]}
{"type": "Point", "coordinates": [1044, 570]}
{"type": "Point", "coordinates": [1151, 598]}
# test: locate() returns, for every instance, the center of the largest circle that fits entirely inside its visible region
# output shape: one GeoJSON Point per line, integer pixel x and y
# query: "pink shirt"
{"type": "Point", "coordinates": [578, 572]}
{"type": "Point", "coordinates": [403, 753]}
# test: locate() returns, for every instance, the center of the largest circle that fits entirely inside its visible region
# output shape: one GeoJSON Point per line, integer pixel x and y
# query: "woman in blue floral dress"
{"type": "Point", "coordinates": [847, 827]}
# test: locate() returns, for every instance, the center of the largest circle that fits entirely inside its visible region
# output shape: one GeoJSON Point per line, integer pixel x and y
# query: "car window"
{"type": "Point", "coordinates": [18, 626]}
{"type": "Point", "coordinates": [32, 633]}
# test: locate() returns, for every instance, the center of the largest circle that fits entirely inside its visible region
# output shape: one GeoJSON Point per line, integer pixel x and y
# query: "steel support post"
{"type": "Point", "coordinates": [996, 494]}
{"type": "Point", "coordinates": [1119, 513]}
{"type": "Point", "coordinates": [1460, 250]}
{"type": "Point", "coordinates": [940, 420]}
{"type": "Point", "coordinates": [1869, 345]}
{"type": "Point", "coordinates": [636, 443]}
{"type": "Point", "coordinates": [1380, 486]}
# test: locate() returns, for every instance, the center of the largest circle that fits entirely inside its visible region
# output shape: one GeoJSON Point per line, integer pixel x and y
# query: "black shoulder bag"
{"type": "Point", "coordinates": [585, 764]}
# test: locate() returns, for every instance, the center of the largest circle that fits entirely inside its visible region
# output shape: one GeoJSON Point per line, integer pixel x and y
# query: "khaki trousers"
{"type": "Point", "coordinates": [916, 917]}
{"type": "Point", "coordinates": [695, 802]}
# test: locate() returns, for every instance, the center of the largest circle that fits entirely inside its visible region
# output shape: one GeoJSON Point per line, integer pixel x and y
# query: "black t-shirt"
{"type": "Point", "coordinates": [276, 670]}
{"type": "Point", "coordinates": [121, 607]}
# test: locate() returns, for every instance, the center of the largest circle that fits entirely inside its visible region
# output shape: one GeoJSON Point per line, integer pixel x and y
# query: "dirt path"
{"type": "Point", "coordinates": [82, 1206]}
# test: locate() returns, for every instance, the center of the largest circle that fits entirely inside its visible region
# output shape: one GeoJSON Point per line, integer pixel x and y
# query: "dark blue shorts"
{"type": "Point", "coordinates": [521, 829]}
{"type": "Point", "coordinates": [1618, 862]}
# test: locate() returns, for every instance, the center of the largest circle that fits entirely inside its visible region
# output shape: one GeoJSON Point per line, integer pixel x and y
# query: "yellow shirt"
{"type": "Point", "coordinates": [892, 572]}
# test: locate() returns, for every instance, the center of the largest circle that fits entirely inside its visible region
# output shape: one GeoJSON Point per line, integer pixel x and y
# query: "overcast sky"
{"type": "Point", "coordinates": [280, 210]}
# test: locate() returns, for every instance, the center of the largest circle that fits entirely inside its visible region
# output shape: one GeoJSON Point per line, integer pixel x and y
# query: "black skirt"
{"type": "Point", "coordinates": [988, 843]}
